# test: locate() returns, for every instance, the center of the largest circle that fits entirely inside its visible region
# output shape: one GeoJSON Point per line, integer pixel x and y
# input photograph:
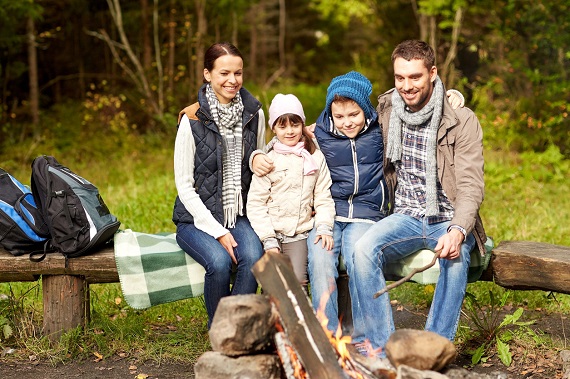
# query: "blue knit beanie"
{"type": "Point", "coordinates": [352, 85]}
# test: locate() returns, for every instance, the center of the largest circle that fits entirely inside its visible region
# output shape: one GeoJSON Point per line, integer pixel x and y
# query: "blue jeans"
{"type": "Point", "coordinates": [323, 272]}
{"type": "Point", "coordinates": [396, 237]}
{"type": "Point", "coordinates": [208, 252]}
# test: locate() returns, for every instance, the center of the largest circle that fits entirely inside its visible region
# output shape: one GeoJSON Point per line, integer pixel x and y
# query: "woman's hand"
{"type": "Point", "coordinates": [326, 241]}
{"type": "Point", "coordinates": [272, 250]}
{"type": "Point", "coordinates": [311, 130]}
{"type": "Point", "coordinates": [455, 98]}
{"type": "Point", "coordinates": [262, 165]}
{"type": "Point", "coordinates": [228, 242]}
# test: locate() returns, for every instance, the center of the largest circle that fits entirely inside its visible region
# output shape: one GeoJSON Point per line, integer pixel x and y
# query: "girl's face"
{"type": "Point", "coordinates": [348, 117]}
{"type": "Point", "coordinates": [226, 78]}
{"type": "Point", "coordinates": [287, 133]}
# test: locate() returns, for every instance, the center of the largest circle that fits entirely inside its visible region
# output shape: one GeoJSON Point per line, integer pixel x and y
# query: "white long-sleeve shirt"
{"type": "Point", "coordinates": [184, 151]}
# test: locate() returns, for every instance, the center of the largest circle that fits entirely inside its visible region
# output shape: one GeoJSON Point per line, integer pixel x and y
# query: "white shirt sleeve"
{"type": "Point", "coordinates": [184, 150]}
{"type": "Point", "coordinates": [261, 131]}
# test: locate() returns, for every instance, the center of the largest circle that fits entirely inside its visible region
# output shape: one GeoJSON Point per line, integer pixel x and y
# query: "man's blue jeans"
{"type": "Point", "coordinates": [396, 237]}
{"type": "Point", "coordinates": [208, 252]}
{"type": "Point", "coordinates": [323, 272]}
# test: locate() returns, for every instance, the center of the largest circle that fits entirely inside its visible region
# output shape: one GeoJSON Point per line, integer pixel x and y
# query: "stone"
{"type": "Point", "coordinates": [407, 372]}
{"type": "Point", "coordinates": [243, 324]}
{"type": "Point", "coordinates": [420, 349]}
{"type": "Point", "coordinates": [215, 365]}
{"type": "Point", "coordinates": [455, 372]}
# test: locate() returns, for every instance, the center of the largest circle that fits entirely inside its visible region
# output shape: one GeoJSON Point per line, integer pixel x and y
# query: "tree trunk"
{"type": "Point", "coordinates": [421, 20]}
{"type": "Point", "coordinates": [200, 33]}
{"type": "Point", "coordinates": [448, 67]}
{"type": "Point", "coordinates": [147, 45]}
{"type": "Point", "coordinates": [160, 73]}
{"type": "Point", "coordinates": [33, 72]}
{"type": "Point", "coordinates": [171, 48]}
{"type": "Point", "coordinates": [252, 64]}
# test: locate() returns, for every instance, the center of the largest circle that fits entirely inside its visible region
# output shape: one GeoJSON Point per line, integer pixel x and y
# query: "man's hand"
{"type": "Point", "coordinates": [450, 244]}
{"type": "Point", "coordinates": [262, 165]}
{"type": "Point", "coordinates": [326, 241]}
{"type": "Point", "coordinates": [228, 242]}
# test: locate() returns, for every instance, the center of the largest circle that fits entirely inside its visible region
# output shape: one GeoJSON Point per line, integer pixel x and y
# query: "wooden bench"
{"type": "Point", "coordinates": [519, 265]}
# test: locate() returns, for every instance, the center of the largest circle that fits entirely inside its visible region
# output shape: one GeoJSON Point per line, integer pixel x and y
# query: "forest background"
{"type": "Point", "coordinates": [99, 84]}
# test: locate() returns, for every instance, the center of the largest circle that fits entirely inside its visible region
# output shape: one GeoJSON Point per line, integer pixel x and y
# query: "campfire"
{"type": "Point", "coordinates": [307, 349]}
{"type": "Point", "coordinates": [278, 335]}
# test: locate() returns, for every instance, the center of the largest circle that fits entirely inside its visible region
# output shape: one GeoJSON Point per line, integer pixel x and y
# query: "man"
{"type": "Point", "coordinates": [433, 166]}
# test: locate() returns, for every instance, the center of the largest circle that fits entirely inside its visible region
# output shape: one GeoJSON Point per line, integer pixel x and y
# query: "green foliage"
{"type": "Point", "coordinates": [343, 11]}
{"type": "Point", "coordinates": [490, 328]}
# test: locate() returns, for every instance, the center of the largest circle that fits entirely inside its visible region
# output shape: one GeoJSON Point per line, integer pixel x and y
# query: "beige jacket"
{"type": "Point", "coordinates": [283, 200]}
{"type": "Point", "coordinates": [459, 164]}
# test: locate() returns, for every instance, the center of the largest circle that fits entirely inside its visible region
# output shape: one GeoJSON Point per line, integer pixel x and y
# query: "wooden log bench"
{"type": "Point", "coordinates": [519, 265]}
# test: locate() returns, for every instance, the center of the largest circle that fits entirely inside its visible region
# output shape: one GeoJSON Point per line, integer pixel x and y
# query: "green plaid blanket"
{"type": "Point", "coordinates": [154, 270]}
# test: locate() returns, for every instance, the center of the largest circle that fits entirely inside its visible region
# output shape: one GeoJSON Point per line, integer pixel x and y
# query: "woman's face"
{"type": "Point", "coordinates": [287, 133]}
{"type": "Point", "coordinates": [226, 78]}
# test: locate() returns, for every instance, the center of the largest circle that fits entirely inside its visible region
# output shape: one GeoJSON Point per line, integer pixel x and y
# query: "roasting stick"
{"type": "Point", "coordinates": [409, 276]}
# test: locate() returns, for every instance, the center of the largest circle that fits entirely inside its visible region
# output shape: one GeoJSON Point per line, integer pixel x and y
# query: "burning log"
{"type": "Point", "coordinates": [307, 337]}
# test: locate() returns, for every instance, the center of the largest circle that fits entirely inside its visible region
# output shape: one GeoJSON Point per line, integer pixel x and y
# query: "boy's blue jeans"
{"type": "Point", "coordinates": [323, 272]}
{"type": "Point", "coordinates": [396, 237]}
{"type": "Point", "coordinates": [208, 252]}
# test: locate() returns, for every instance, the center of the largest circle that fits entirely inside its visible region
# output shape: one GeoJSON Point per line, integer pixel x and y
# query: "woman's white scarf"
{"type": "Point", "coordinates": [433, 110]}
{"type": "Point", "coordinates": [229, 122]}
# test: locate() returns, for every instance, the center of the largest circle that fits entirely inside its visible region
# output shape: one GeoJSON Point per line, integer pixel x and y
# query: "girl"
{"type": "Point", "coordinates": [281, 204]}
{"type": "Point", "coordinates": [215, 139]}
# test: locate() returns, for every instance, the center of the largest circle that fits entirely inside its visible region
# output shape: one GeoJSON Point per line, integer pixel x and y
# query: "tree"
{"type": "Point", "coordinates": [136, 73]}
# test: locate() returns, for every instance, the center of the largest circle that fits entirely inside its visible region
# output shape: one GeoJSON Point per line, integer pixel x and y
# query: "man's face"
{"type": "Point", "coordinates": [414, 82]}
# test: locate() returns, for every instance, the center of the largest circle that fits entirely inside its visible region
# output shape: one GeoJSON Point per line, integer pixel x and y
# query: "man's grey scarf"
{"type": "Point", "coordinates": [433, 110]}
{"type": "Point", "coordinates": [229, 122]}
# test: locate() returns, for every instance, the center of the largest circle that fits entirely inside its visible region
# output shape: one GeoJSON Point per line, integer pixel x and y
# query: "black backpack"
{"type": "Point", "coordinates": [77, 217]}
{"type": "Point", "coordinates": [22, 227]}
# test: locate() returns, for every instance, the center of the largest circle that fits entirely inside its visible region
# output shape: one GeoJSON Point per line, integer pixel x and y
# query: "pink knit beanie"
{"type": "Point", "coordinates": [283, 104]}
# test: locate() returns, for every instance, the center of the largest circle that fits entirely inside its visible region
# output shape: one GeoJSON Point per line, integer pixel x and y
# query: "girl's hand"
{"type": "Point", "coordinates": [326, 241]}
{"type": "Point", "coordinates": [273, 250]}
{"type": "Point", "coordinates": [228, 242]}
{"type": "Point", "coordinates": [262, 165]}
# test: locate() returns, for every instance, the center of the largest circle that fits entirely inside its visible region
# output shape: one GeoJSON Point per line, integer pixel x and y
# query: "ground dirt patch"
{"type": "Point", "coordinates": [533, 364]}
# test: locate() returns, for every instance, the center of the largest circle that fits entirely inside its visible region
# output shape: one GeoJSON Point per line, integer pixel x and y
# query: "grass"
{"type": "Point", "coordinates": [526, 199]}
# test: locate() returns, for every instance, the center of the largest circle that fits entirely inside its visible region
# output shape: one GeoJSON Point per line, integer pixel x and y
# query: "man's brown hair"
{"type": "Point", "coordinates": [415, 49]}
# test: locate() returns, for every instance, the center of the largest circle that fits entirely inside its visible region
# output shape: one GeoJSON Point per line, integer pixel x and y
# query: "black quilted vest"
{"type": "Point", "coordinates": [208, 156]}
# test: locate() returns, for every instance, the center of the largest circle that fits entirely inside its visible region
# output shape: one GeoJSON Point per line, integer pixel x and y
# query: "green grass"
{"type": "Point", "coordinates": [526, 199]}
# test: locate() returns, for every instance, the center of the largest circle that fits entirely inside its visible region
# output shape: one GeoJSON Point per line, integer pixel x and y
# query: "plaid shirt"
{"type": "Point", "coordinates": [411, 176]}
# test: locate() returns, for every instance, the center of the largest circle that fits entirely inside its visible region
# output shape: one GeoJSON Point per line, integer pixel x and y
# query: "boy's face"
{"type": "Point", "coordinates": [348, 117]}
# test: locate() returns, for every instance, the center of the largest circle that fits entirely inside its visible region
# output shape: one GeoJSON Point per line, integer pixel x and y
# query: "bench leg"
{"type": "Point", "coordinates": [66, 304]}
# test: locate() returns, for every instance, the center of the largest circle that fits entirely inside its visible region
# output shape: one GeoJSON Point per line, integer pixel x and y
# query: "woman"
{"type": "Point", "coordinates": [215, 139]}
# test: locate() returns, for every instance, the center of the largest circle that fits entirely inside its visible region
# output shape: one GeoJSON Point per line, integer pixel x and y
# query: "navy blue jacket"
{"type": "Point", "coordinates": [208, 161]}
{"type": "Point", "coordinates": [356, 166]}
